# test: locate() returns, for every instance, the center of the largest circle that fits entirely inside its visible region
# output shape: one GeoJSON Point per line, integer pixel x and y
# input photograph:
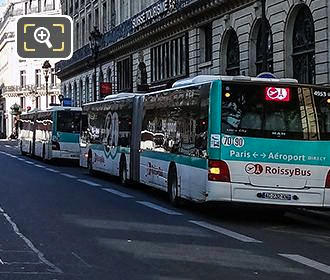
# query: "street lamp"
{"type": "Point", "coordinates": [46, 66]}
{"type": "Point", "coordinates": [95, 43]}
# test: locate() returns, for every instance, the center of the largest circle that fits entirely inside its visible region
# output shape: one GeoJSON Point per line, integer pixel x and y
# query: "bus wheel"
{"type": "Point", "coordinates": [172, 187]}
{"type": "Point", "coordinates": [123, 172]}
{"type": "Point", "coordinates": [90, 165]}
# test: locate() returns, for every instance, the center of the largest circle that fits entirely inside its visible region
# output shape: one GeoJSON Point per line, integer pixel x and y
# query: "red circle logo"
{"type": "Point", "coordinates": [253, 169]}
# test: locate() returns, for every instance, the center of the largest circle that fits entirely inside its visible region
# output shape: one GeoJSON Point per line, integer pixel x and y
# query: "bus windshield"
{"type": "Point", "coordinates": [275, 111]}
{"type": "Point", "coordinates": [68, 121]}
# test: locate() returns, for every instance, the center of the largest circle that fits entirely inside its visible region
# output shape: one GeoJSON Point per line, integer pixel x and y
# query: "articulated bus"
{"type": "Point", "coordinates": [51, 134]}
{"type": "Point", "coordinates": [212, 138]}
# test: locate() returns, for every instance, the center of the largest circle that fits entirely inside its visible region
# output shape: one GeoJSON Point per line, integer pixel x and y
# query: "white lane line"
{"type": "Point", "coordinates": [308, 262]}
{"type": "Point", "coordinates": [159, 208]}
{"type": "Point", "coordinates": [40, 166]}
{"type": "Point", "coordinates": [68, 176]}
{"type": "Point", "coordinates": [28, 242]}
{"type": "Point", "coordinates": [29, 162]}
{"type": "Point", "coordinates": [81, 259]}
{"type": "Point", "coordinates": [51, 170]}
{"type": "Point", "coordinates": [121, 194]}
{"type": "Point", "coordinates": [226, 232]}
{"type": "Point", "coordinates": [89, 183]}
{"type": "Point", "coordinates": [7, 146]}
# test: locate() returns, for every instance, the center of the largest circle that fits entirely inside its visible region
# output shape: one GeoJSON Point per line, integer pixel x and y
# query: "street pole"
{"type": "Point", "coordinates": [46, 79]}
{"type": "Point", "coordinates": [46, 66]}
{"type": "Point", "coordinates": [264, 37]}
{"type": "Point", "coordinates": [95, 41]}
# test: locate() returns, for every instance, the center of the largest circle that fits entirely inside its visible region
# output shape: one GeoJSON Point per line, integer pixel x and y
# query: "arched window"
{"type": "Point", "coordinates": [303, 43]}
{"type": "Point", "coordinates": [233, 66]}
{"type": "Point", "coordinates": [109, 75]}
{"type": "Point", "coordinates": [80, 93]}
{"type": "Point", "coordinates": [94, 88]}
{"type": "Point", "coordinates": [70, 93]}
{"type": "Point", "coordinates": [268, 49]}
{"type": "Point", "coordinates": [75, 95]}
{"type": "Point", "coordinates": [87, 90]}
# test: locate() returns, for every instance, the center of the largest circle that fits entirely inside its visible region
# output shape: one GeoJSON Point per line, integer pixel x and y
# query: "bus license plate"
{"type": "Point", "coordinates": [279, 196]}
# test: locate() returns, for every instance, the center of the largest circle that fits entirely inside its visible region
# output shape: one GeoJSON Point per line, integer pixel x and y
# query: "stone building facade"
{"type": "Point", "coordinates": [147, 45]}
{"type": "Point", "coordinates": [22, 81]}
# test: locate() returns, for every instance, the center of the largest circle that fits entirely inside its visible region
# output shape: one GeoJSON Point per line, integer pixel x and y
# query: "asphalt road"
{"type": "Point", "coordinates": [57, 222]}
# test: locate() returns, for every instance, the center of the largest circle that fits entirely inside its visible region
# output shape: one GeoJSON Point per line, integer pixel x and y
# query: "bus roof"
{"type": "Point", "coordinates": [118, 96]}
{"type": "Point", "coordinates": [209, 78]}
{"type": "Point", "coordinates": [62, 108]}
{"type": "Point", "coordinates": [53, 109]}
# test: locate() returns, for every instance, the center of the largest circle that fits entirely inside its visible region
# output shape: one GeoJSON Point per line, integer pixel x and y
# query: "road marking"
{"type": "Point", "coordinates": [7, 146]}
{"type": "Point", "coordinates": [226, 232]}
{"type": "Point", "coordinates": [121, 194]}
{"type": "Point", "coordinates": [81, 259]}
{"type": "Point", "coordinates": [51, 170]}
{"type": "Point", "coordinates": [89, 183]}
{"type": "Point", "coordinates": [28, 242]}
{"type": "Point", "coordinates": [159, 208]}
{"type": "Point", "coordinates": [308, 262]}
{"type": "Point", "coordinates": [29, 162]}
{"type": "Point", "coordinates": [1, 261]}
{"type": "Point", "coordinates": [40, 166]}
{"type": "Point", "coordinates": [68, 176]}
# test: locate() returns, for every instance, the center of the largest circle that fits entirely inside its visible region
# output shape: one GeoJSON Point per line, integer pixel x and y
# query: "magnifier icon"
{"type": "Point", "coordinates": [42, 35]}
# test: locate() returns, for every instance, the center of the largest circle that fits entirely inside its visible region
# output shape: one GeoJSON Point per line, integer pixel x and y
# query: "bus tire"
{"type": "Point", "coordinates": [172, 186]}
{"type": "Point", "coordinates": [90, 164]}
{"type": "Point", "coordinates": [123, 171]}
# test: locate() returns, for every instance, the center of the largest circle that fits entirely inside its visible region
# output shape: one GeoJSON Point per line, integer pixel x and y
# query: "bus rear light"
{"type": "Point", "coordinates": [327, 180]}
{"type": "Point", "coordinates": [55, 146]}
{"type": "Point", "coordinates": [218, 171]}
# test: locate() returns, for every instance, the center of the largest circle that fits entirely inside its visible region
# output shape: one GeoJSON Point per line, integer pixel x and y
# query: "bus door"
{"type": "Point", "coordinates": [136, 138]}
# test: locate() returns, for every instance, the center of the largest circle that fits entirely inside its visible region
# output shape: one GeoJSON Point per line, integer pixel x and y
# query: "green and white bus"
{"type": "Point", "coordinates": [51, 134]}
{"type": "Point", "coordinates": [213, 138]}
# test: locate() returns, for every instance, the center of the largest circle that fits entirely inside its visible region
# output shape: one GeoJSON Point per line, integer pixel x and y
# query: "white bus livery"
{"type": "Point", "coordinates": [212, 138]}
{"type": "Point", "coordinates": [50, 134]}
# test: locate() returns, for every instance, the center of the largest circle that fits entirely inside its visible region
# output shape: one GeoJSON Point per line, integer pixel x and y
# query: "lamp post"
{"type": "Point", "coordinates": [16, 110]}
{"type": "Point", "coordinates": [95, 43]}
{"type": "Point", "coordinates": [46, 66]}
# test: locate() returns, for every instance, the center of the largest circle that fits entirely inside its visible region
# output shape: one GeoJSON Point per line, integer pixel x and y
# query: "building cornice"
{"type": "Point", "coordinates": [123, 39]}
{"type": "Point", "coordinates": [29, 90]}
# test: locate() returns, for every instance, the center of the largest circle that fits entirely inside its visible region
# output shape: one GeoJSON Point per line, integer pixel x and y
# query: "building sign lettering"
{"type": "Point", "coordinates": [152, 12]}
